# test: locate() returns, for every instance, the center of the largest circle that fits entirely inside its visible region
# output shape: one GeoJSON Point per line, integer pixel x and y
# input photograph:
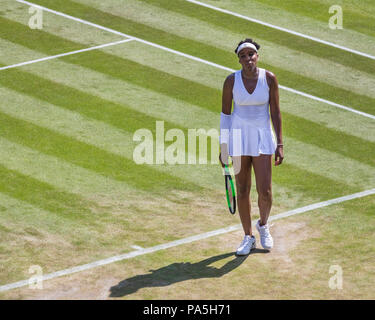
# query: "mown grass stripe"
{"type": "Point", "coordinates": [182, 171]}
{"type": "Point", "coordinates": [67, 97]}
{"type": "Point", "coordinates": [345, 144]}
{"type": "Point", "coordinates": [29, 213]}
{"type": "Point", "coordinates": [64, 54]}
{"type": "Point", "coordinates": [281, 56]}
{"type": "Point", "coordinates": [128, 94]}
{"type": "Point", "coordinates": [114, 142]}
{"type": "Point", "coordinates": [21, 33]}
{"type": "Point", "coordinates": [363, 114]}
{"type": "Point", "coordinates": [112, 21]}
{"type": "Point", "coordinates": [200, 95]}
{"type": "Point", "coordinates": [313, 185]}
{"type": "Point", "coordinates": [61, 174]}
{"type": "Point", "coordinates": [93, 106]}
{"type": "Point", "coordinates": [290, 79]}
{"type": "Point", "coordinates": [101, 135]}
{"type": "Point", "coordinates": [45, 196]}
{"type": "Point", "coordinates": [207, 176]}
{"type": "Point", "coordinates": [361, 22]}
{"type": "Point", "coordinates": [185, 114]}
{"type": "Point", "coordinates": [306, 25]}
{"type": "Point", "coordinates": [118, 116]}
{"type": "Point", "coordinates": [330, 164]}
{"type": "Point", "coordinates": [235, 24]}
{"type": "Point", "coordinates": [333, 118]}
{"type": "Point", "coordinates": [335, 141]}
{"type": "Point", "coordinates": [322, 90]}
{"type": "Point", "coordinates": [73, 30]}
{"type": "Point", "coordinates": [89, 157]}
{"type": "Point", "coordinates": [296, 33]}
{"type": "Point", "coordinates": [177, 87]}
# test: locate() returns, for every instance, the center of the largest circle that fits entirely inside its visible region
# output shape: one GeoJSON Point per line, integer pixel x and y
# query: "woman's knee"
{"type": "Point", "coordinates": [243, 189]}
{"type": "Point", "coordinates": [265, 194]}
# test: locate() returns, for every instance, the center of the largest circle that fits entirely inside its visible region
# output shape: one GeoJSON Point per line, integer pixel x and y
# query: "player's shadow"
{"type": "Point", "coordinates": [177, 272]}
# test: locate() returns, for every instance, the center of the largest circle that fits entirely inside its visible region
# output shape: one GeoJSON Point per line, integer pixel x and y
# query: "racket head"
{"type": "Point", "coordinates": [230, 191]}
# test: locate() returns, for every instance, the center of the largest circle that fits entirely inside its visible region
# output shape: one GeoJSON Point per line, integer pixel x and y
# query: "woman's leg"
{"type": "Point", "coordinates": [263, 176]}
{"type": "Point", "coordinates": [243, 185]}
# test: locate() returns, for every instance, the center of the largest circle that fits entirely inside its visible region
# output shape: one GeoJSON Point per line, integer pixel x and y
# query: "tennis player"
{"type": "Point", "coordinates": [255, 94]}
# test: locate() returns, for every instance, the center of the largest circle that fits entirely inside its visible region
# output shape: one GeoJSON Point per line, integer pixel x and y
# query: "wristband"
{"type": "Point", "coordinates": [225, 125]}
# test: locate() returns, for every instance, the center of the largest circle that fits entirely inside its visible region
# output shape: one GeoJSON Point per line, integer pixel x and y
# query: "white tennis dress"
{"type": "Point", "coordinates": [251, 132]}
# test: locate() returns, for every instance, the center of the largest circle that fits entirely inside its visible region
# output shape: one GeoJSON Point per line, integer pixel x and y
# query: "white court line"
{"type": "Point", "coordinates": [283, 29]}
{"type": "Point", "coordinates": [64, 54]}
{"type": "Point", "coordinates": [125, 35]}
{"type": "Point", "coordinates": [175, 243]}
{"type": "Point", "coordinates": [137, 247]}
{"type": "Point", "coordinates": [327, 102]}
{"type": "Point", "coordinates": [191, 57]}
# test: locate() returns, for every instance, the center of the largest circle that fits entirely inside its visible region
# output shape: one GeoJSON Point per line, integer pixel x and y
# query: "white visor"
{"type": "Point", "coordinates": [246, 45]}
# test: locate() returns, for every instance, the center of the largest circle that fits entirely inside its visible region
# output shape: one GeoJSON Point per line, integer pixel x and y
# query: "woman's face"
{"type": "Point", "coordinates": [248, 58]}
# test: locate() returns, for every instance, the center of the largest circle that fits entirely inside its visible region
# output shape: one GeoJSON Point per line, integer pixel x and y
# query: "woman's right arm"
{"type": "Point", "coordinates": [226, 110]}
{"type": "Point", "coordinates": [227, 94]}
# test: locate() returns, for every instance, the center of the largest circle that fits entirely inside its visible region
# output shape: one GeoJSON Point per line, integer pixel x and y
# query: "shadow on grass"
{"type": "Point", "coordinates": [177, 272]}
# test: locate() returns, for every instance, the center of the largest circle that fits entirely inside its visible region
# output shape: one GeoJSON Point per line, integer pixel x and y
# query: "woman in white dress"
{"type": "Point", "coordinates": [246, 135]}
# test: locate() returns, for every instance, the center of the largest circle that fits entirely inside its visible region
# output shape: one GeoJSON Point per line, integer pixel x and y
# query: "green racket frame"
{"type": "Point", "coordinates": [228, 177]}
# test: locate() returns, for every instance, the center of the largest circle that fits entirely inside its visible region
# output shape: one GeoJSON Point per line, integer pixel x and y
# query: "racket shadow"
{"type": "Point", "coordinates": [178, 272]}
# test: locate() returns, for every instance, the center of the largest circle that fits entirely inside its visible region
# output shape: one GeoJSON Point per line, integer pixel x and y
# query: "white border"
{"type": "Point", "coordinates": [206, 235]}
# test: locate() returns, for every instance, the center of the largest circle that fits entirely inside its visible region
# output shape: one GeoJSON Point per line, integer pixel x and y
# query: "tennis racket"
{"type": "Point", "coordinates": [230, 191]}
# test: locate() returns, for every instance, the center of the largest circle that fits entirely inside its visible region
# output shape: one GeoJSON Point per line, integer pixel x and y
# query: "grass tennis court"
{"type": "Point", "coordinates": [71, 194]}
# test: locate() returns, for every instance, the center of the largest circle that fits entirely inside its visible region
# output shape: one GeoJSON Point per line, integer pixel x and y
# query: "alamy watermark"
{"type": "Point", "coordinates": [336, 281]}
{"type": "Point", "coordinates": [36, 281]}
{"type": "Point", "coordinates": [152, 149]}
{"type": "Point", "coordinates": [36, 20]}
{"type": "Point", "coordinates": [335, 21]}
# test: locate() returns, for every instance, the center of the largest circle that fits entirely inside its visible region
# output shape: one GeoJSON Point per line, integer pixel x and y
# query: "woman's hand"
{"type": "Point", "coordinates": [224, 154]}
{"type": "Point", "coordinates": [223, 159]}
{"type": "Point", "coordinates": [279, 155]}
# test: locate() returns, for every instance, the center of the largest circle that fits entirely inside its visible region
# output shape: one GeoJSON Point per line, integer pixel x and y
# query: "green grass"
{"type": "Point", "coordinates": [181, 87]}
{"type": "Point", "coordinates": [298, 22]}
{"type": "Point", "coordinates": [87, 156]}
{"type": "Point", "coordinates": [346, 235]}
{"type": "Point", "coordinates": [35, 192]}
{"type": "Point", "coordinates": [277, 37]}
{"type": "Point", "coordinates": [317, 240]}
{"type": "Point", "coordinates": [357, 16]}
{"type": "Point", "coordinates": [119, 116]}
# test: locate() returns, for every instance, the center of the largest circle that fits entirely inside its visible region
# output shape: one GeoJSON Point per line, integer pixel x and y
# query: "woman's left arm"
{"type": "Point", "coordinates": [276, 116]}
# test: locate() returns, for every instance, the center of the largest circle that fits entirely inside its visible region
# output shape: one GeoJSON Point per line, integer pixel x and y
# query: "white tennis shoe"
{"type": "Point", "coordinates": [265, 237]}
{"type": "Point", "coordinates": [246, 245]}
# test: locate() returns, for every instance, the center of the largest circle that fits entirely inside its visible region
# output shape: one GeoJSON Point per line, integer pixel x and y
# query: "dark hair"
{"type": "Point", "coordinates": [247, 40]}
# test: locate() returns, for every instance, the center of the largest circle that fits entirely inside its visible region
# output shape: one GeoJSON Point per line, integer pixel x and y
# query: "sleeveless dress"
{"type": "Point", "coordinates": [251, 132]}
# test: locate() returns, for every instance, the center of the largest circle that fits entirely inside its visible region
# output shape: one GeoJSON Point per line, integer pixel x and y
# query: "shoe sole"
{"type": "Point", "coordinates": [266, 248]}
